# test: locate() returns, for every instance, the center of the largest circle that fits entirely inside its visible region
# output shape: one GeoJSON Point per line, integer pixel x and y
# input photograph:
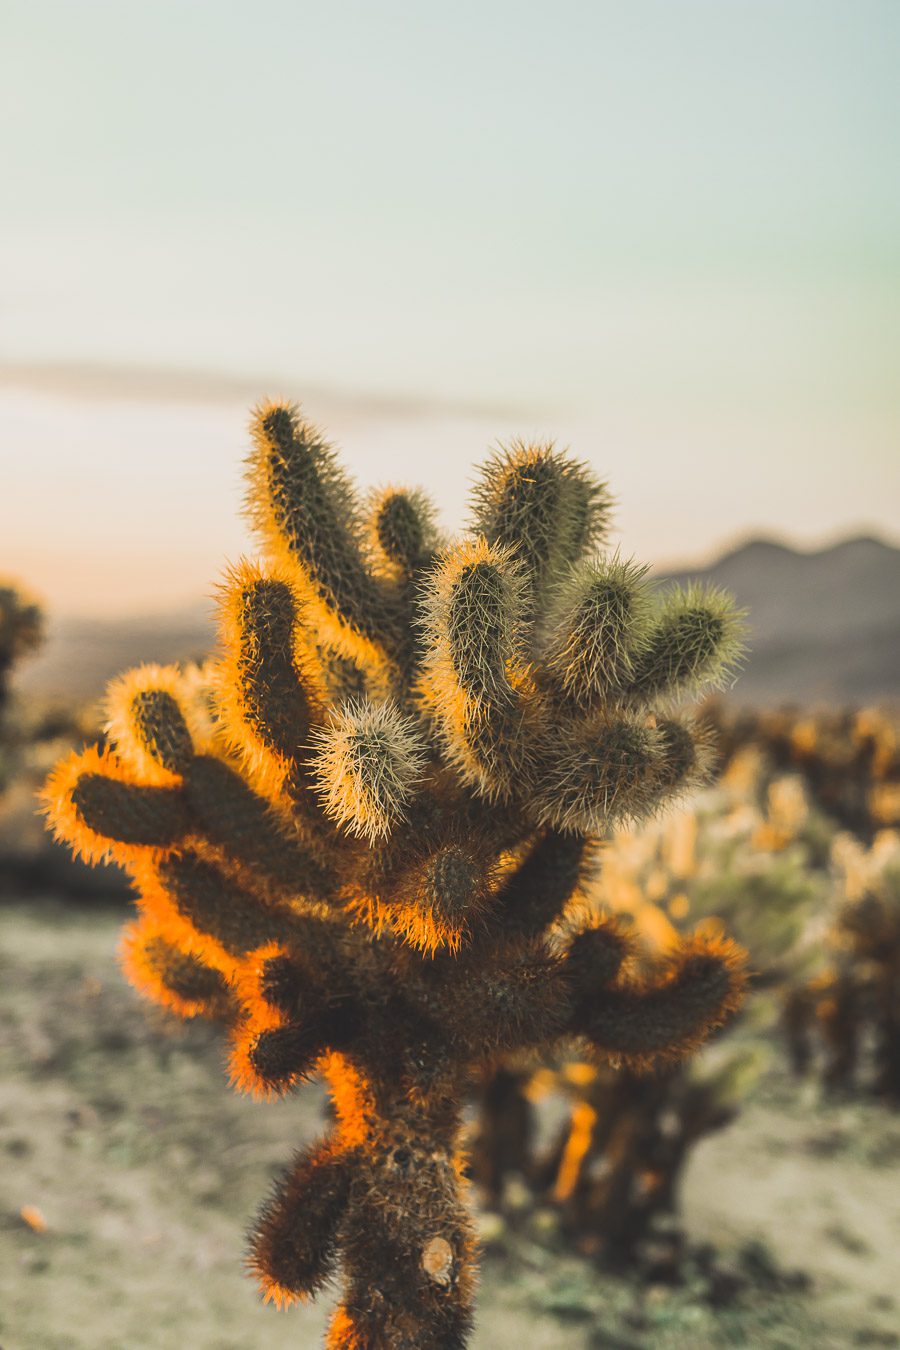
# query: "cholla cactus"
{"type": "Point", "coordinates": [849, 757]}
{"type": "Point", "coordinates": [21, 631]}
{"type": "Point", "coordinates": [852, 1006]}
{"type": "Point", "coordinates": [613, 1174]}
{"type": "Point", "coordinates": [353, 835]}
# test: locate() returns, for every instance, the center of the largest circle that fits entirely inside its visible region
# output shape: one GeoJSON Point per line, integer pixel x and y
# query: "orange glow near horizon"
{"type": "Point", "coordinates": [115, 507]}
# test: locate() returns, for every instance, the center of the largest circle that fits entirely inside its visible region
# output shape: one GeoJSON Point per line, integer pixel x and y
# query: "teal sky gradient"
{"type": "Point", "coordinates": [666, 230]}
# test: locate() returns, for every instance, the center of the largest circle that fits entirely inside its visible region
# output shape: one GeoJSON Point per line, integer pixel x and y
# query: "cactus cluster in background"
{"type": "Point", "coordinates": [845, 1019]}
{"type": "Point", "coordinates": [34, 733]}
{"type": "Point", "coordinates": [21, 631]}
{"type": "Point", "coordinates": [611, 1175]}
{"type": "Point", "coordinates": [849, 757]}
{"type": "Point", "coordinates": [361, 835]}
{"type": "Point", "coordinates": [614, 1173]}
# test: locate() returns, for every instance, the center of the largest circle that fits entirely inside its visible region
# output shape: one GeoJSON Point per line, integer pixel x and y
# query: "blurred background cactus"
{"type": "Point", "coordinates": [849, 757]}
{"type": "Point", "coordinates": [21, 631]}
{"type": "Point", "coordinates": [844, 1020]}
{"type": "Point", "coordinates": [363, 837]}
{"type": "Point", "coordinates": [609, 1175]}
{"type": "Point", "coordinates": [840, 1018]}
{"type": "Point", "coordinates": [34, 732]}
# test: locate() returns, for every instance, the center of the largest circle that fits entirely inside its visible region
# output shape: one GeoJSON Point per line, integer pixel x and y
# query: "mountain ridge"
{"type": "Point", "coordinates": [823, 624]}
{"type": "Point", "coordinates": [824, 627]}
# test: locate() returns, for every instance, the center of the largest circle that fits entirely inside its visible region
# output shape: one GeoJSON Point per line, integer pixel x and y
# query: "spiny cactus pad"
{"type": "Point", "coordinates": [359, 834]}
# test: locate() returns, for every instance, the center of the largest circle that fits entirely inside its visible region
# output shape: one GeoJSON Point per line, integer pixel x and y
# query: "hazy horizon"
{"type": "Point", "coordinates": [191, 430]}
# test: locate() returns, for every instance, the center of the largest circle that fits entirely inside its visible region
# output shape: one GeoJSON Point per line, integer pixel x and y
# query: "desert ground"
{"type": "Point", "coordinates": [131, 1172]}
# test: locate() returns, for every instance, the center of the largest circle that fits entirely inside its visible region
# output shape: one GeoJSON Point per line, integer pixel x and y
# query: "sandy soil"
{"type": "Point", "coordinates": [137, 1170]}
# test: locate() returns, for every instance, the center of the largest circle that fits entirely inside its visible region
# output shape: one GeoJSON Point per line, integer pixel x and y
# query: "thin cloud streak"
{"type": "Point", "coordinates": [98, 381]}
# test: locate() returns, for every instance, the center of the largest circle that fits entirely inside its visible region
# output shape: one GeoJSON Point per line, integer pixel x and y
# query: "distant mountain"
{"type": "Point", "coordinates": [824, 628]}
{"type": "Point", "coordinates": [824, 625]}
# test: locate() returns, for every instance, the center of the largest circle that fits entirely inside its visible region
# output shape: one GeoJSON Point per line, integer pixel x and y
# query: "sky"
{"type": "Point", "coordinates": [666, 234]}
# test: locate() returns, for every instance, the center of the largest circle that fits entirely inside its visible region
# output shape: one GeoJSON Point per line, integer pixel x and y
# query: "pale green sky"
{"type": "Point", "coordinates": [666, 230]}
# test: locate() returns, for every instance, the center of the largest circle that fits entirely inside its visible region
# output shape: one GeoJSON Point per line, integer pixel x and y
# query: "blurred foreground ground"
{"type": "Point", "coordinates": [137, 1171]}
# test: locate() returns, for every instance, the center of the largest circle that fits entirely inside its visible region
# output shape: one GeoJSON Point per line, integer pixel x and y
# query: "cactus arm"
{"type": "Point", "coordinates": [216, 906]}
{"type": "Point", "coordinates": [178, 979]}
{"type": "Point", "coordinates": [696, 639]}
{"type": "Point", "coordinates": [545, 508]}
{"type": "Point", "coordinates": [403, 537]}
{"type": "Point", "coordinates": [294, 1248]}
{"type": "Point", "coordinates": [642, 1022]}
{"type": "Point", "coordinates": [597, 630]}
{"type": "Point", "coordinates": [148, 725]}
{"type": "Point", "coordinates": [596, 775]}
{"type": "Point", "coordinates": [130, 813]}
{"type": "Point", "coordinates": [294, 1010]}
{"type": "Point", "coordinates": [685, 756]}
{"type": "Point", "coordinates": [231, 816]}
{"type": "Point", "coordinates": [471, 685]}
{"type": "Point", "coordinates": [403, 545]}
{"type": "Point", "coordinates": [433, 883]}
{"type": "Point", "coordinates": [540, 888]}
{"type": "Point", "coordinates": [96, 807]}
{"type": "Point", "coordinates": [596, 956]}
{"type": "Point", "coordinates": [304, 508]}
{"type": "Point", "coordinates": [104, 814]}
{"type": "Point", "coordinates": [270, 687]}
{"type": "Point", "coordinates": [368, 762]}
